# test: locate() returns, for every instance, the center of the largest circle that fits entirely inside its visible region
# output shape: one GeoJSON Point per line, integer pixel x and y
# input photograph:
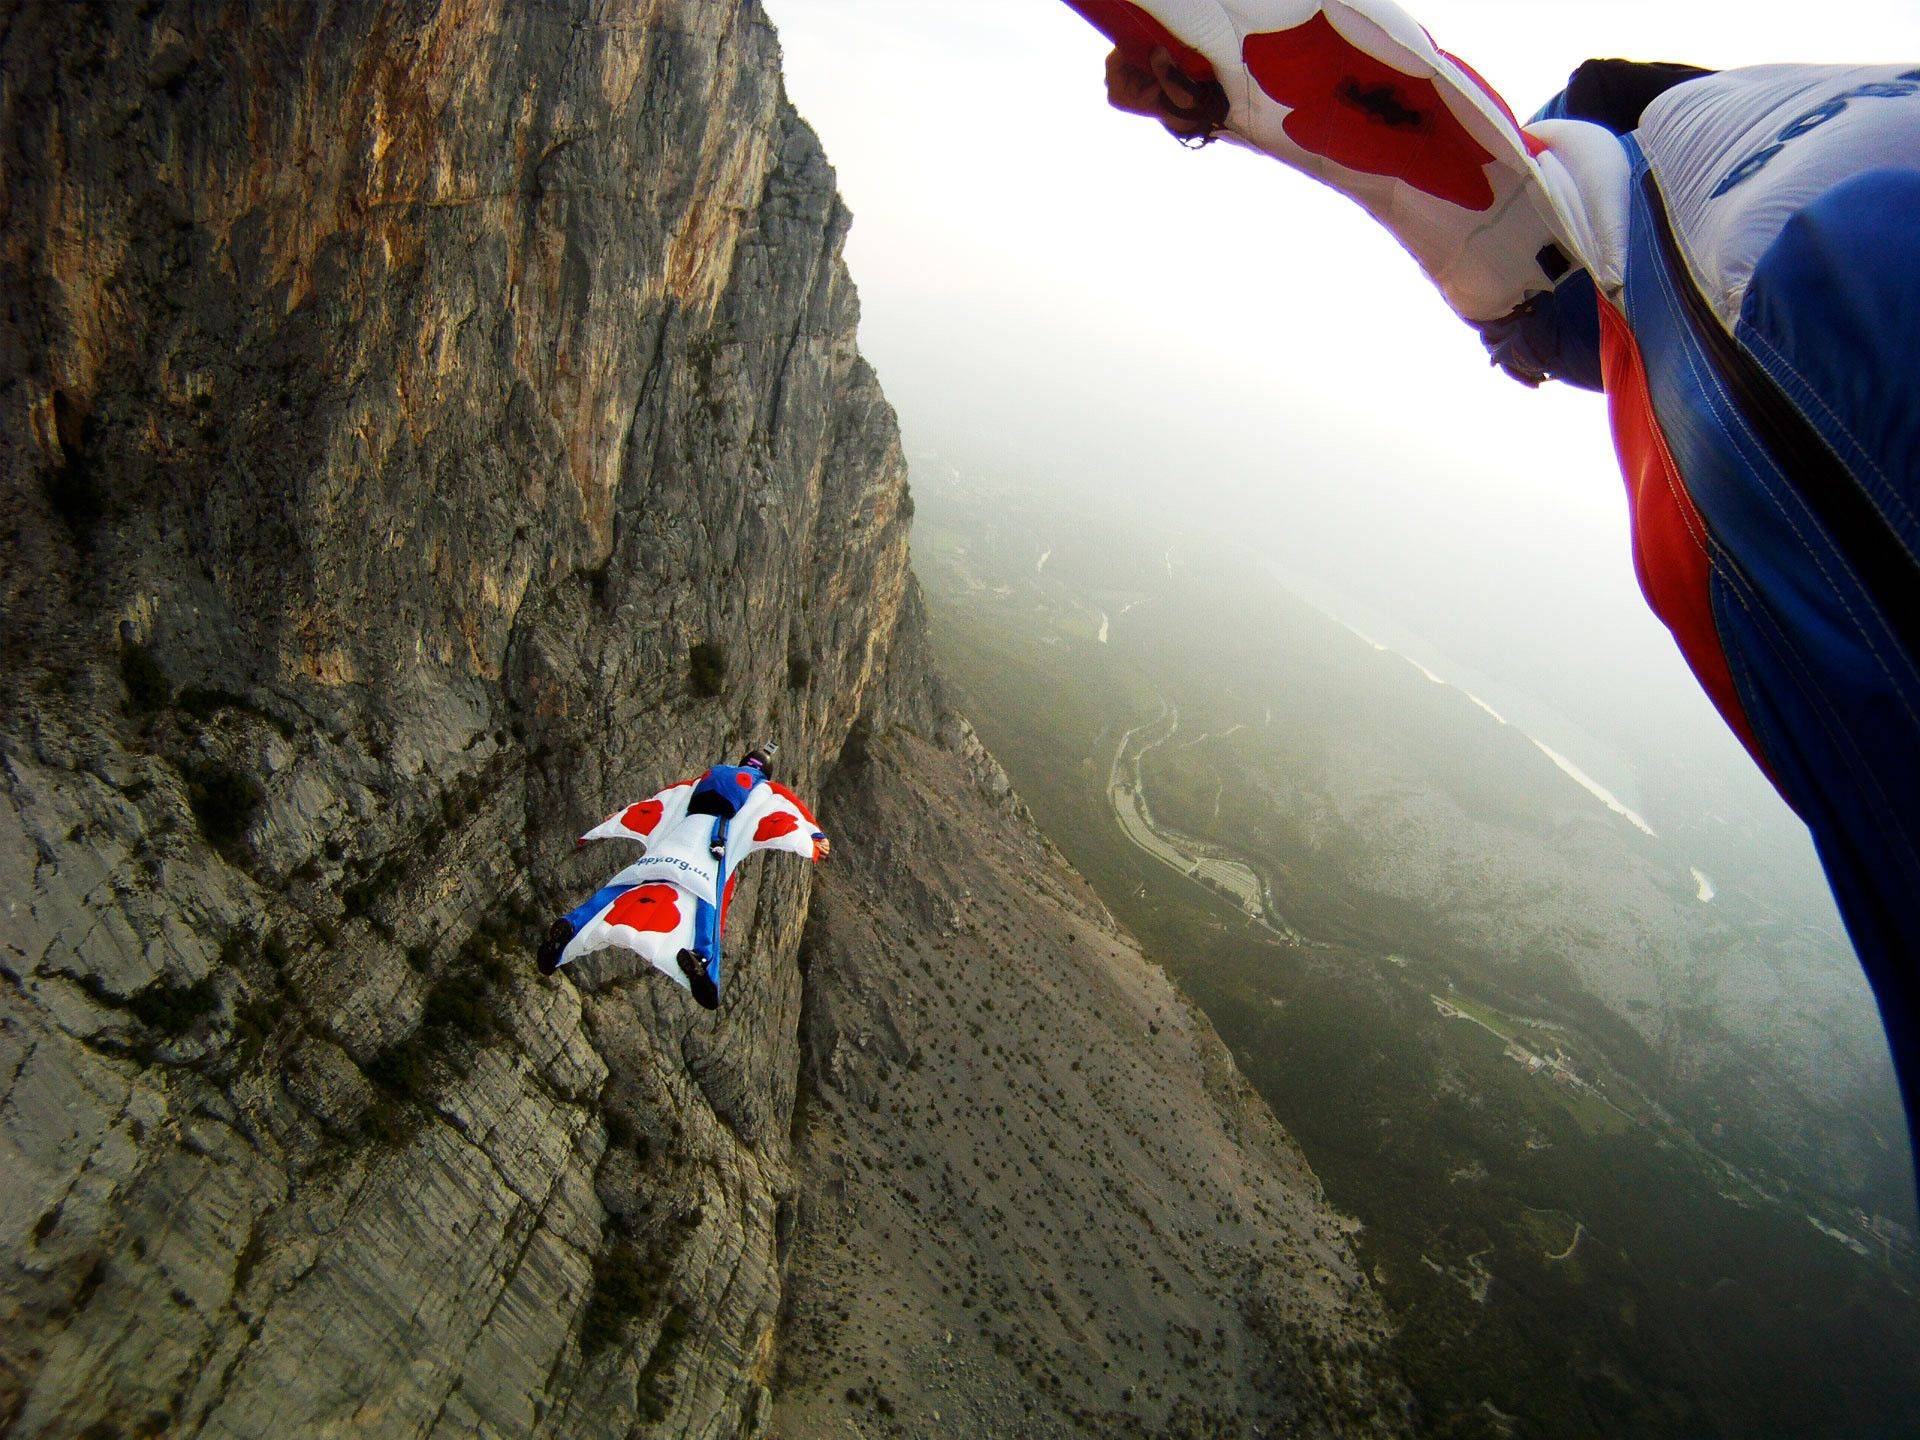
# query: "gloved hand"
{"type": "Point", "coordinates": [1554, 336]}
{"type": "Point", "coordinates": [1190, 109]}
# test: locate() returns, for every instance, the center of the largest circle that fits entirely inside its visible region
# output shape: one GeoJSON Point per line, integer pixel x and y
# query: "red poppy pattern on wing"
{"type": "Point", "coordinates": [779, 823]}
{"type": "Point", "coordinates": [641, 818]}
{"type": "Point", "coordinates": [1360, 112]}
{"type": "Point", "coordinates": [647, 908]}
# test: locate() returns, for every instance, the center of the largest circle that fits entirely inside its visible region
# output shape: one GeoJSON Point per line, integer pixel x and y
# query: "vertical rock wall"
{"type": "Point", "coordinates": [394, 394]}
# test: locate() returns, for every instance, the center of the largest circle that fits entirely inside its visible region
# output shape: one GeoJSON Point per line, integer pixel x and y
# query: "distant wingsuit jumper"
{"type": "Point", "coordinates": [1734, 258]}
{"type": "Point", "coordinates": [670, 905]}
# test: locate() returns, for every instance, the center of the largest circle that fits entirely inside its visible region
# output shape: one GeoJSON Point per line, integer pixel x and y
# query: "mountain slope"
{"type": "Point", "coordinates": [1022, 1146]}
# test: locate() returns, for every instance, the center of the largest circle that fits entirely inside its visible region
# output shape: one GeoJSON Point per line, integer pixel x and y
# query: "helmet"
{"type": "Point", "coordinates": [761, 758]}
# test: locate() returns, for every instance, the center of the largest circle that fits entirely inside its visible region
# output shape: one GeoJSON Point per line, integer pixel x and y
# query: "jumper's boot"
{"type": "Point", "coordinates": [558, 934]}
{"type": "Point", "coordinates": [693, 965]}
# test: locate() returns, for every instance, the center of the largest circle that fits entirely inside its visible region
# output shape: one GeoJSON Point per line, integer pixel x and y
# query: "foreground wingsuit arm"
{"type": "Point", "coordinates": [1358, 95]}
{"type": "Point", "coordinates": [650, 817]}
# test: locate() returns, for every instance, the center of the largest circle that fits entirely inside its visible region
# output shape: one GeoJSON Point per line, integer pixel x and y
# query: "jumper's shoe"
{"type": "Point", "coordinates": [694, 967]}
{"type": "Point", "coordinates": [558, 934]}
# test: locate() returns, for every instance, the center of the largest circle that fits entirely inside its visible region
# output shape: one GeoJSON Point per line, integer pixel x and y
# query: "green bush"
{"type": "Point", "coordinates": [627, 1276]}
{"type": "Point", "coordinates": [707, 668]}
{"type": "Point", "coordinates": [404, 1070]}
{"type": "Point", "coordinates": [388, 1121]}
{"type": "Point", "coordinates": [459, 1006]}
{"type": "Point", "coordinates": [799, 672]}
{"type": "Point", "coordinates": [169, 1008]}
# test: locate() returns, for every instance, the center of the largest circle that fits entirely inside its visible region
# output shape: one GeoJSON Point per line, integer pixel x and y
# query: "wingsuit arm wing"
{"type": "Point", "coordinates": [646, 819]}
{"type": "Point", "coordinates": [774, 818]}
{"type": "Point", "coordinates": [1358, 95]}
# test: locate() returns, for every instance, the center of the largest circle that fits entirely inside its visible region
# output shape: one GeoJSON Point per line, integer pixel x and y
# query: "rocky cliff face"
{"type": "Point", "coordinates": [427, 425]}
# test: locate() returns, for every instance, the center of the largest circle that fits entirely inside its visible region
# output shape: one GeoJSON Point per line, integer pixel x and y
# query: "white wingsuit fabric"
{"type": "Point", "coordinates": [1740, 153]}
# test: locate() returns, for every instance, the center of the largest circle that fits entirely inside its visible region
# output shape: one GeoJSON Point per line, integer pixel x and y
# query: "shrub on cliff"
{"type": "Point", "coordinates": [461, 1008]}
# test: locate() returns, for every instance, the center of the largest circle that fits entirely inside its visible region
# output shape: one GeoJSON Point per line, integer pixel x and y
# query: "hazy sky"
{"type": "Point", "coordinates": [1053, 287]}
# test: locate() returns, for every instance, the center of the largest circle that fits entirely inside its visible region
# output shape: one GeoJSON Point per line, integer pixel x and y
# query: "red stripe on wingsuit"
{"type": "Point", "coordinates": [794, 800]}
{"type": "Point", "coordinates": [1137, 35]}
{"type": "Point", "coordinates": [1360, 112]}
{"type": "Point", "coordinates": [1669, 538]}
{"type": "Point", "coordinates": [1534, 146]}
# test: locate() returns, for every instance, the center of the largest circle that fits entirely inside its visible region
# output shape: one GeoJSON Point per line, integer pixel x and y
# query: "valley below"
{"type": "Point", "coordinates": [1620, 1137]}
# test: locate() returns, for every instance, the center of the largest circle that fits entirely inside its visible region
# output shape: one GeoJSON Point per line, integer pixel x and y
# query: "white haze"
{"type": "Point", "coordinates": [1056, 291]}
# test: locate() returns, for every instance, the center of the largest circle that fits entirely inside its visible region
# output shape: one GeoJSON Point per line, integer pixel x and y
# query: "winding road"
{"type": "Point", "coordinates": [1234, 879]}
